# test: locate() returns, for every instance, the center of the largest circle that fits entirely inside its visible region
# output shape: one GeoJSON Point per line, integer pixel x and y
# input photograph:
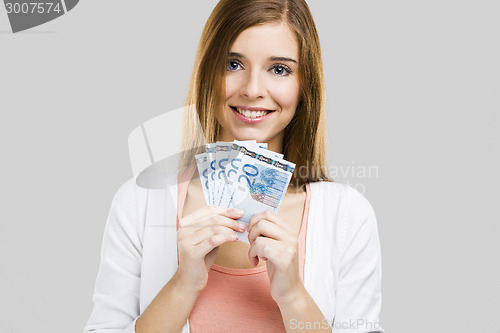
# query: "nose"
{"type": "Point", "coordinates": [253, 85]}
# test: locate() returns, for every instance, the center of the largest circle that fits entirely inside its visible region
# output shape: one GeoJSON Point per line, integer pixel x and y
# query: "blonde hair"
{"type": "Point", "coordinates": [304, 140]}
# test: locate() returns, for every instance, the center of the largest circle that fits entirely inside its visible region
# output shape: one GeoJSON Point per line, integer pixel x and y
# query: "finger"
{"type": "Point", "coordinates": [268, 229]}
{"type": "Point", "coordinates": [267, 215]}
{"type": "Point", "coordinates": [211, 211]}
{"type": "Point", "coordinates": [262, 247]}
{"type": "Point", "coordinates": [207, 232]}
{"type": "Point", "coordinates": [213, 241]}
{"type": "Point", "coordinates": [186, 230]}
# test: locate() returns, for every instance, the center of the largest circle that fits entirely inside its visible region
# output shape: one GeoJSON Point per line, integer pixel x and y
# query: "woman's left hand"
{"type": "Point", "coordinates": [272, 240]}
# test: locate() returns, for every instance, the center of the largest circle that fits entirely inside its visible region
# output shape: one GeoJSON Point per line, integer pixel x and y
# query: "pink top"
{"type": "Point", "coordinates": [239, 299]}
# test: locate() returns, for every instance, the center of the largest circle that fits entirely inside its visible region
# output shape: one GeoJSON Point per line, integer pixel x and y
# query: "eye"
{"type": "Point", "coordinates": [232, 65]}
{"type": "Point", "coordinates": [281, 69]}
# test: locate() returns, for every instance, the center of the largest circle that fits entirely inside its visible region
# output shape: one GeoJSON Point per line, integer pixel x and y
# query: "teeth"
{"type": "Point", "coordinates": [251, 114]}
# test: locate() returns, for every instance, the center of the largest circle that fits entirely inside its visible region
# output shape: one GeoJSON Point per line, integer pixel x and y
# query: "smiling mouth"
{"type": "Point", "coordinates": [249, 113]}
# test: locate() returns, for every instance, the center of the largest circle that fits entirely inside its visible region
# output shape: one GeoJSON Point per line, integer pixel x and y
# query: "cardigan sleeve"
{"type": "Point", "coordinates": [117, 286]}
{"type": "Point", "coordinates": [358, 292]}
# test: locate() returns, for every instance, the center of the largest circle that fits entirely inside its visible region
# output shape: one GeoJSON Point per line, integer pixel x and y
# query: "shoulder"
{"type": "Point", "coordinates": [138, 189]}
{"type": "Point", "coordinates": [343, 210]}
{"type": "Point", "coordinates": [130, 197]}
{"type": "Point", "coordinates": [348, 197]}
{"type": "Point", "coordinates": [143, 202]}
{"type": "Point", "coordinates": [127, 205]}
{"type": "Point", "coordinates": [128, 191]}
{"type": "Point", "coordinates": [328, 188]}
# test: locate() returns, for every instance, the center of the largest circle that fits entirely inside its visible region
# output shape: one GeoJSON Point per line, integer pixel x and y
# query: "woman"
{"type": "Point", "coordinates": [313, 266]}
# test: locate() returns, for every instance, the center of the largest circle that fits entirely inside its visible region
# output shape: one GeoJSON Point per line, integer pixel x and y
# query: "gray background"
{"type": "Point", "coordinates": [412, 88]}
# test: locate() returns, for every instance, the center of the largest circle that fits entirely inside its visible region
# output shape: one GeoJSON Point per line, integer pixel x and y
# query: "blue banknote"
{"type": "Point", "coordinates": [244, 175]}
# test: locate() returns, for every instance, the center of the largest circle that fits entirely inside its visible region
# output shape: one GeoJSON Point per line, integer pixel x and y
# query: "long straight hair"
{"type": "Point", "coordinates": [304, 140]}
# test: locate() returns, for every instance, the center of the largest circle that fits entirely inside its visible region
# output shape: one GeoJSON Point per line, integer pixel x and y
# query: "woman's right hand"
{"type": "Point", "coordinates": [198, 239]}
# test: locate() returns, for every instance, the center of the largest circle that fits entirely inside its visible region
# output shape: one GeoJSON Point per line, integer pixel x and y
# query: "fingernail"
{"type": "Point", "coordinates": [237, 211]}
{"type": "Point", "coordinates": [234, 236]}
{"type": "Point", "coordinates": [242, 226]}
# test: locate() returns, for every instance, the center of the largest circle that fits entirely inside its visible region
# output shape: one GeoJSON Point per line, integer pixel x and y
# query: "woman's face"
{"type": "Point", "coordinates": [262, 85]}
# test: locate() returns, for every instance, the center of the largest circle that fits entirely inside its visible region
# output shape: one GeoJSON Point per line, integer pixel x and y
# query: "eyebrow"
{"type": "Point", "coordinates": [239, 55]}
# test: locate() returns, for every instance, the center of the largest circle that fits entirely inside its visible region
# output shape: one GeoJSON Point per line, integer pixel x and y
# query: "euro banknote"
{"type": "Point", "coordinates": [244, 175]}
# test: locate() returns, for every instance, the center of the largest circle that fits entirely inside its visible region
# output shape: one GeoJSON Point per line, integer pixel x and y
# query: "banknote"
{"type": "Point", "coordinates": [202, 164]}
{"type": "Point", "coordinates": [244, 175]}
{"type": "Point", "coordinates": [235, 164]}
{"type": "Point", "coordinates": [261, 184]}
{"type": "Point", "coordinates": [237, 151]}
{"type": "Point", "coordinates": [222, 152]}
{"type": "Point", "coordinates": [263, 178]}
{"type": "Point", "coordinates": [211, 148]}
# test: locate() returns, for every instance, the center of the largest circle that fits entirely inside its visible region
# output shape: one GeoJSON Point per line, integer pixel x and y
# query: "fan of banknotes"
{"type": "Point", "coordinates": [244, 175]}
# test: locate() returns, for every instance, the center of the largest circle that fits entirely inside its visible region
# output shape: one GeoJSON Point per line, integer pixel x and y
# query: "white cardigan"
{"type": "Point", "coordinates": [342, 270]}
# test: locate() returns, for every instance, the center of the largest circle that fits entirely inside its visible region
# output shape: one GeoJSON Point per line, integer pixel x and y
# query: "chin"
{"type": "Point", "coordinates": [250, 134]}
